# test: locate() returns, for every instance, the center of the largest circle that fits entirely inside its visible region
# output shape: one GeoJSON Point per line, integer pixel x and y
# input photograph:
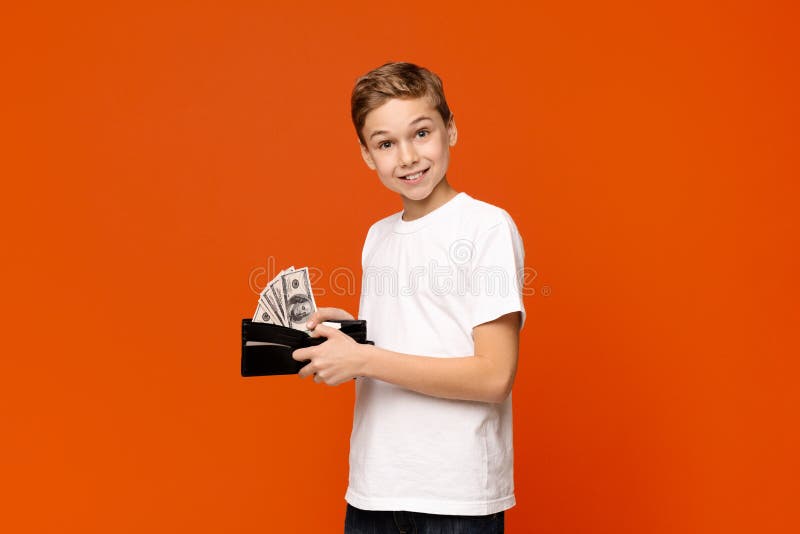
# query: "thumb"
{"type": "Point", "coordinates": [316, 318]}
{"type": "Point", "coordinates": [324, 330]}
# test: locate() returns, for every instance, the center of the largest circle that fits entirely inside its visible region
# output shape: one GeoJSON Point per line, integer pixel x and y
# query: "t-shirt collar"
{"type": "Point", "coordinates": [407, 227]}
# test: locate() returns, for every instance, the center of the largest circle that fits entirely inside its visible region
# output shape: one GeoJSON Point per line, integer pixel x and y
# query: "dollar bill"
{"type": "Point", "coordinates": [275, 290]}
{"type": "Point", "coordinates": [287, 300]}
{"type": "Point", "coordinates": [270, 304]}
{"type": "Point", "coordinates": [298, 299]}
{"type": "Point", "coordinates": [265, 300]}
{"type": "Point", "coordinates": [264, 314]}
{"type": "Point", "coordinates": [272, 298]}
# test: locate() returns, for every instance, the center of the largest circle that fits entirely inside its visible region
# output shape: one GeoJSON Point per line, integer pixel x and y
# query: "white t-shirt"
{"type": "Point", "coordinates": [426, 283]}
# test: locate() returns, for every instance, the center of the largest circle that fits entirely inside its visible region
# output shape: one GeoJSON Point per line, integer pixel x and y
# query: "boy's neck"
{"type": "Point", "coordinates": [414, 209]}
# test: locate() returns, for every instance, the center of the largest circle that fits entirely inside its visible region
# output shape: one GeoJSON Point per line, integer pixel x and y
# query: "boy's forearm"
{"type": "Point", "coordinates": [464, 378]}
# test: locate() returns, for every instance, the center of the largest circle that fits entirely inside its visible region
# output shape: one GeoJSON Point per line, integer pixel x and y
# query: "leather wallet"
{"type": "Point", "coordinates": [267, 348]}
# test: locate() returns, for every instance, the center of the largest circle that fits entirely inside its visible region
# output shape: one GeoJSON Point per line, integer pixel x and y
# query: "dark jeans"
{"type": "Point", "coordinates": [359, 521]}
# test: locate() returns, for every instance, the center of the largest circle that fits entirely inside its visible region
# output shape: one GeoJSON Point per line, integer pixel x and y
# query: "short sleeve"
{"type": "Point", "coordinates": [364, 251]}
{"type": "Point", "coordinates": [498, 259]}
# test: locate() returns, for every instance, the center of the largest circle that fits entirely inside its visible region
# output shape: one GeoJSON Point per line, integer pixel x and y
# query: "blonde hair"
{"type": "Point", "coordinates": [395, 80]}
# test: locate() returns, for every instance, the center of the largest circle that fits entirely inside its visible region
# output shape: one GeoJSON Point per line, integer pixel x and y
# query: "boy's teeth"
{"type": "Point", "coordinates": [412, 176]}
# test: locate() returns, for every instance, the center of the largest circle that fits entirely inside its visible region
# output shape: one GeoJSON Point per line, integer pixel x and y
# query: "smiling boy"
{"type": "Point", "coordinates": [431, 445]}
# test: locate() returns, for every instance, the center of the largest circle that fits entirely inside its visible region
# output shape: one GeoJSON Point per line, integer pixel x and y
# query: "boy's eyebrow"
{"type": "Point", "coordinates": [415, 121]}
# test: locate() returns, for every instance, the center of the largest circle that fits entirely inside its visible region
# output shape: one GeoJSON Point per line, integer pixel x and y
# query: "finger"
{"type": "Point", "coordinates": [303, 354]}
{"type": "Point", "coordinates": [324, 330]}
{"type": "Point", "coordinates": [306, 370]}
{"type": "Point", "coordinates": [313, 320]}
{"type": "Point", "coordinates": [317, 317]}
{"type": "Point", "coordinates": [327, 314]}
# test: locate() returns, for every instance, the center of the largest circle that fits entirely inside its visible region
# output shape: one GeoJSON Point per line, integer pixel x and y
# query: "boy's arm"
{"type": "Point", "coordinates": [487, 376]}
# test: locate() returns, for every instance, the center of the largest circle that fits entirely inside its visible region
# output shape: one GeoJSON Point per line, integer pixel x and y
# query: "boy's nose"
{"type": "Point", "coordinates": [408, 155]}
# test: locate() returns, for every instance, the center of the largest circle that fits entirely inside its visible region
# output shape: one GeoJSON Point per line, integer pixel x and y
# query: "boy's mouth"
{"type": "Point", "coordinates": [415, 177]}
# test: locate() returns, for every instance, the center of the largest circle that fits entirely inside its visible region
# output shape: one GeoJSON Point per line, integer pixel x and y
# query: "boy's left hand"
{"type": "Point", "coordinates": [333, 362]}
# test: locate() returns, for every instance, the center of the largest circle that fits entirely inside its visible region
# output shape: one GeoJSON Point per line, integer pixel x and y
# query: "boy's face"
{"type": "Point", "coordinates": [405, 137]}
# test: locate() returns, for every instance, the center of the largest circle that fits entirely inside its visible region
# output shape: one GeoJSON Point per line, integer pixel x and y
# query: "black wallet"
{"type": "Point", "coordinates": [267, 348]}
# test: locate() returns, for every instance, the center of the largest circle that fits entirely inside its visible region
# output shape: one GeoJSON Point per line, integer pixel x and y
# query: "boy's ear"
{"type": "Point", "coordinates": [452, 131]}
{"type": "Point", "coordinates": [367, 157]}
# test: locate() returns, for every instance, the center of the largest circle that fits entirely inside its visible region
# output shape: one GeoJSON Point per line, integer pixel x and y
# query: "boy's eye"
{"type": "Point", "coordinates": [384, 144]}
{"type": "Point", "coordinates": [423, 133]}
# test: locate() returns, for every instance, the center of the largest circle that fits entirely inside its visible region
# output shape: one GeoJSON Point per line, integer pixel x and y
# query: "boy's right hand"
{"type": "Point", "coordinates": [327, 314]}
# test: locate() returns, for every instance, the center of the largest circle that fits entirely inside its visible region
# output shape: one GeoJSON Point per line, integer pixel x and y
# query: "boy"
{"type": "Point", "coordinates": [431, 447]}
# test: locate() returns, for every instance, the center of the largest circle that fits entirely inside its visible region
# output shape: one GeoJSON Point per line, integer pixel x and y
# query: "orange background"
{"type": "Point", "coordinates": [157, 158]}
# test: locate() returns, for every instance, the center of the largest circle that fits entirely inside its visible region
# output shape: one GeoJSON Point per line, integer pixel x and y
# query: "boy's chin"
{"type": "Point", "coordinates": [408, 192]}
{"type": "Point", "coordinates": [417, 192]}
{"type": "Point", "coordinates": [416, 196]}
